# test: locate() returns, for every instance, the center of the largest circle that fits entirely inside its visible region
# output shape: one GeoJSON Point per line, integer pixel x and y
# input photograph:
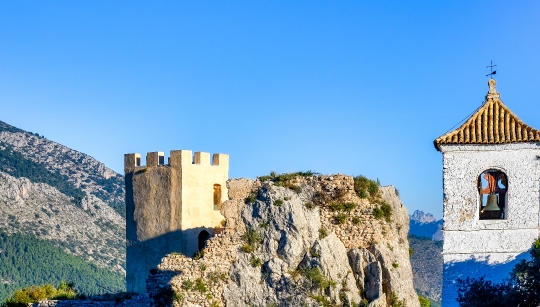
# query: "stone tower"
{"type": "Point", "coordinates": [491, 179]}
{"type": "Point", "coordinates": [170, 207]}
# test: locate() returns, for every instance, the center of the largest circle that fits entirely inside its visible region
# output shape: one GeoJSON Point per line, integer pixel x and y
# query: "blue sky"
{"type": "Point", "coordinates": [350, 87]}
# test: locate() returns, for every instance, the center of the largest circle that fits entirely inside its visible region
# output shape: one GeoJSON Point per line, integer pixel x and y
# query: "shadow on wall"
{"type": "Point", "coordinates": [144, 257]}
{"type": "Point", "coordinates": [495, 267]}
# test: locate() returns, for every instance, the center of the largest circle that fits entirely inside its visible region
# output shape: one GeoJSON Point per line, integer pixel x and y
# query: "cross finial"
{"type": "Point", "coordinates": [492, 72]}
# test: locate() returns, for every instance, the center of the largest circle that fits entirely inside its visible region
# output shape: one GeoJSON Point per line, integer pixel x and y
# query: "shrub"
{"type": "Point", "coordinates": [255, 262]}
{"type": "Point", "coordinates": [365, 187]}
{"type": "Point", "coordinates": [384, 210]}
{"type": "Point", "coordinates": [424, 301]}
{"type": "Point", "coordinates": [411, 251]}
{"type": "Point", "coordinates": [317, 279]}
{"type": "Point", "coordinates": [323, 233]}
{"type": "Point", "coordinates": [395, 265]}
{"type": "Point", "coordinates": [356, 220]}
{"type": "Point", "coordinates": [251, 199]}
{"type": "Point", "coordinates": [341, 218]}
{"type": "Point", "coordinates": [278, 202]}
{"type": "Point", "coordinates": [309, 205]}
{"type": "Point", "coordinates": [200, 285]}
{"type": "Point", "coordinates": [252, 240]}
{"type": "Point", "coordinates": [199, 255]}
{"type": "Point", "coordinates": [224, 223]}
{"type": "Point", "coordinates": [342, 207]}
{"type": "Point", "coordinates": [178, 296]}
{"type": "Point", "coordinates": [187, 284]}
{"type": "Point", "coordinates": [395, 302]}
{"type": "Point", "coordinates": [33, 294]}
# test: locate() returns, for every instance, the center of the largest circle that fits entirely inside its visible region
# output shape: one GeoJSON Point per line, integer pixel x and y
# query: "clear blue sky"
{"type": "Point", "coordinates": [351, 87]}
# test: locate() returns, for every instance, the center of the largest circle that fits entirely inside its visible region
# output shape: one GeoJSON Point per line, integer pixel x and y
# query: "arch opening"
{"type": "Point", "coordinates": [492, 188]}
{"type": "Point", "coordinates": [202, 239]}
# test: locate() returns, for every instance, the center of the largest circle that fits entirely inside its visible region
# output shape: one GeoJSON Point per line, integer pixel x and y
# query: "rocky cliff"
{"type": "Point", "coordinates": [306, 241]}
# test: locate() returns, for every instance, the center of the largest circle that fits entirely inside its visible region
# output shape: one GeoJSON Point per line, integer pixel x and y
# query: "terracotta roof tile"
{"type": "Point", "coordinates": [492, 123]}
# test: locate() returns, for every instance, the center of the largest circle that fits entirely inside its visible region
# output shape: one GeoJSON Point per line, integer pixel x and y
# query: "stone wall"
{"type": "Point", "coordinates": [474, 247]}
{"type": "Point", "coordinates": [168, 206]}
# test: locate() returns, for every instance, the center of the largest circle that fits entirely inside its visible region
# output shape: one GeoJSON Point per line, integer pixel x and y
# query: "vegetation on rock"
{"type": "Point", "coordinates": [26, 261]}
{"type": "Point", "coordinates": [33, 294]}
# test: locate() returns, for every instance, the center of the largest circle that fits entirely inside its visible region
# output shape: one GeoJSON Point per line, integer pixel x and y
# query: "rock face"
{"type": "Point", "coordinates": [36, 176]}
{"type": "Point", "coordinates": [296, 246]}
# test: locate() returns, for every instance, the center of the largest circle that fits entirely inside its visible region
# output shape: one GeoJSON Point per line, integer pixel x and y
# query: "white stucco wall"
{"type": "Point", "coordinates": [473, 247]}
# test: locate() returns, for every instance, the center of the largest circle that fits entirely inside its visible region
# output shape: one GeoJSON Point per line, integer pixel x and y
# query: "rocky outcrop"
{"type": "Point", "coordinates": [297, 246]}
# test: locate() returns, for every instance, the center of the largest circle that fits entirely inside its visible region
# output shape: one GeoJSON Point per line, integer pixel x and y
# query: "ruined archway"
{"type": "Point", "coordinates": [203, 237]}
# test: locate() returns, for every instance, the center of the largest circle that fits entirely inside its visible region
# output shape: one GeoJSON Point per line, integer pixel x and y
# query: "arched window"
{"type": "Point", "coordinates": [203, 237]}
{"type": "Point", "coordinates": [492, 187]}
{"type": "Point", "coordinates": [217, 196]}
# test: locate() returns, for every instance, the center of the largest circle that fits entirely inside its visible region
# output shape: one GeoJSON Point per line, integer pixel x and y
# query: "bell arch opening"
{"type": "Point", "coordinates": [202, 239]}
{"type": "Point", "coordinates": [492, 188]}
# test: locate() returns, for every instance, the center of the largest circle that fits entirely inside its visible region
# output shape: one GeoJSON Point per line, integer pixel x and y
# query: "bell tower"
{"type": "Point", "coordinates": [491, 185]}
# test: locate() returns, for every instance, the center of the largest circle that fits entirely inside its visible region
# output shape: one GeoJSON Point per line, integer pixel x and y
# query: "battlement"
{"type": "Point", "coordinates": [177, 158]}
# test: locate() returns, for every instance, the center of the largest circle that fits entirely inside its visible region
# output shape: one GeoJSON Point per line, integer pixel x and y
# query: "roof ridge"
{"type": "Point", "coordinates": [492, 123]}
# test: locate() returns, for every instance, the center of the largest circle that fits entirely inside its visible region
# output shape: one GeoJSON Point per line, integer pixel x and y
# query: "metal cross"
{"type": "Point", "coordinates": [491, 69]}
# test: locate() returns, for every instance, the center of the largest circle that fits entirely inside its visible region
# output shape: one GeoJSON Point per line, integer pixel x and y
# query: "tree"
{"type": "Point", "coordinates": [522, 289]}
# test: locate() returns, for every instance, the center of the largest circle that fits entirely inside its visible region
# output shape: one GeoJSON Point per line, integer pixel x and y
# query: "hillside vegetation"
{"type": "Point", "coordinates": [26, 261]}
{"type": "Point", "coordinates": [427, 265]}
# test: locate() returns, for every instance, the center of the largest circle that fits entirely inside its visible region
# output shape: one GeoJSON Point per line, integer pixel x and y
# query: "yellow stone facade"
{"type": "Point", "coordinates": [170, 207]}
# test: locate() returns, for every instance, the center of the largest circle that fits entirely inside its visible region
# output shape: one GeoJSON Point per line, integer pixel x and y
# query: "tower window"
{"type": "Point", "coordinates": [217, 196]}
{"type": "Point", "coordinates": [492, 187]}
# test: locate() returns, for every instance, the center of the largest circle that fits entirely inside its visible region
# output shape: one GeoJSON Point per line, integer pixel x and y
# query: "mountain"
{"type": "Point", "coordinates": [63, 198]}
{"type": "Point", "coordinates": [425, 225]}
{"type": "Point", "coordinates": [427, 265]}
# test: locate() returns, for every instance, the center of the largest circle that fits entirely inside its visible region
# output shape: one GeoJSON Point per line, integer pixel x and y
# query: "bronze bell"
{"type": "Point", "coordinates": [492, 210]}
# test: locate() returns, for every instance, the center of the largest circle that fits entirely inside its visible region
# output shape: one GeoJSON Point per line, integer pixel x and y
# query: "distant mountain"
{"type": "Point", "coordinates": [427, 265]}
{"type": "Point", "coordinates": [63, 197]}
{"type": "Point", "coordinates": [425, 225]}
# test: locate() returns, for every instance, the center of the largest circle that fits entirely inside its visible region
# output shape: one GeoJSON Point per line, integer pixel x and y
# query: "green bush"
{"type": "Point", "coordinates": [252, 240]}
{"type": "Point", "coordinates": [395, 302]}
{"type": "Point", "coordinates": [278, 202]}
{"type": "Point", "coordinates": [383, 211]}
{"type": "Point", "coordinates": [424, 301]}
{"type": "Point", "coordinates": [322, 233]}
{"type": "Point", "coordinates": [255, 262]}
{"type": "Point", "coordinates": [341, 218]}
{"type": "Point", "coordinates": [356, 220]}
{"type": "Point", "coordinates": [365, 188]}
{"type": "Point", "coordinates": [342, 206]}
{"type": "Point", "coordinates": [200, 285]}
{"type": "Point", "coordinates": [317, 279]}
{"type": "Point", "coordinates": [187, 284]}
{"type": "Point", "coordinates": [33, 294]}
{"type": "Point", "coordinates": [250, 199]}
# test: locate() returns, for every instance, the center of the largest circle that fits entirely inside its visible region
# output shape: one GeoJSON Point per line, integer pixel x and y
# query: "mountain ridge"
{"type": "Point", "coordinates": [63, 197]}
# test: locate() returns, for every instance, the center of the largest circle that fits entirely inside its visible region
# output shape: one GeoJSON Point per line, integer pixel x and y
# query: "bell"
{"type": "Point", "coordinates": [492, 210]}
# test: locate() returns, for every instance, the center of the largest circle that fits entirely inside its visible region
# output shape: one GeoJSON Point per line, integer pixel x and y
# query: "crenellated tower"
{"type": "Point", "coordinates": [171, 207]}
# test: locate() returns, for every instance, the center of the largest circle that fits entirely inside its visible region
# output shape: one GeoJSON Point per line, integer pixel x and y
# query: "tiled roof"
{"type": "Point", "coordinates": [492, 123]}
